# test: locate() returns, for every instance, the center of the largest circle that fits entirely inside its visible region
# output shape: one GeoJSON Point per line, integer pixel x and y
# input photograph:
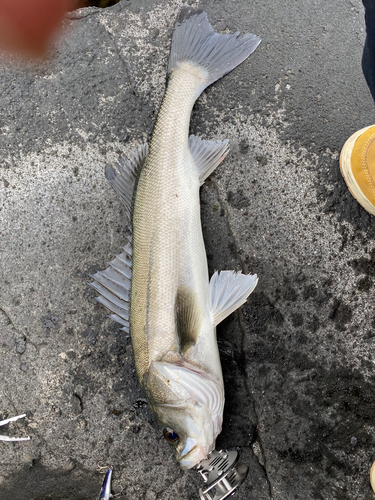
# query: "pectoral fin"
{"type": "Point", "coordinates": [188, 317]}
{"type": "Point", "coordinates": [228, 291]}
{"type": "Point", "coordinates": [207, 155]}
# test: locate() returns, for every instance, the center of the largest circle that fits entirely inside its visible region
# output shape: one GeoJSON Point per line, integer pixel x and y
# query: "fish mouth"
{"type": "Point", "coordinates": [192, 454]}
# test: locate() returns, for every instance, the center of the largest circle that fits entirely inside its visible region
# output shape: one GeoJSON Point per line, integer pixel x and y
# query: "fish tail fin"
{"type": "Point", "coordinates": [195, 41]}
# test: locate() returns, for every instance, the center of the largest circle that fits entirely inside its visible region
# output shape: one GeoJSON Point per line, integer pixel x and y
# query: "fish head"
{"type": "Point", "coordinates": [188, 405]}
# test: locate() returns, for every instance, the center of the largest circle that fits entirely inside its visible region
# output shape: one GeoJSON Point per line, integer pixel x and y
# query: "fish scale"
{"type": "Point", "coordinates": [167, 235]}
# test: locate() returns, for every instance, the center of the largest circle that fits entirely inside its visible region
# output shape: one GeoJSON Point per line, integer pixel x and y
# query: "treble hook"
{"type": "Point", "coordinates": [99, 467]}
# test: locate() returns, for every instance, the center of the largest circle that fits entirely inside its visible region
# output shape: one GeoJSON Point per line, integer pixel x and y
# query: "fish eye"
{"type": "Point", "coordinates": [170, 435]}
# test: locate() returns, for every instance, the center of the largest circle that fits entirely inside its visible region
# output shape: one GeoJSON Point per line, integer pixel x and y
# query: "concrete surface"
{"type": "Point", "coordinates": [298, 359]}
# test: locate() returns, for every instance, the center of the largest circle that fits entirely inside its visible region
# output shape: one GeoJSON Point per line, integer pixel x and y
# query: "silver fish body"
{"type": "Point", "coordinates": [169, 263]}
{"type": "Point", "coordinates": [174, 308]}
{"type": "Point", "coordinates": [170, 271]}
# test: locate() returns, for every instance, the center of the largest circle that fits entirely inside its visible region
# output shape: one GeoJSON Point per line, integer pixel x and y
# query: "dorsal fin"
{"type": "Point", "coordinates": [207, 155]}
{"type": "Point", "coordinates": [114, 284]}
{"type": "Point", "coordinates": [188, 317]}
{"type": "Point", "coordinates": [124, 178]}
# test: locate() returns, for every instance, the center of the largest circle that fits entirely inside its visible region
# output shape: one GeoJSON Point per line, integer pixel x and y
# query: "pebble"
{"type": "Point", "coordinates": [353, 441]}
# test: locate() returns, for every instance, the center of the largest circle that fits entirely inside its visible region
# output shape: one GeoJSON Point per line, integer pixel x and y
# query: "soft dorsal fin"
{"type": "Point", "coordinates": [207, 155]}
{"type": "Point", "coordinates": [123, 179]}
{"type": "Point", "coordinates": [228, 291]}
{"type": "Point", "coordinates": [188, 317]}
{"type": "Point", "coordinates": [113, 285]}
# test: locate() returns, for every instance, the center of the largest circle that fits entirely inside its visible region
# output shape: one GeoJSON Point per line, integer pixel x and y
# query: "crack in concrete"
{"type": "Point", "coordinates": [25, 337]}
{"type": "Point", "coordinates": [224, 206]}
{"type": "Point", "coordinates": [76, 15]}
{"type": "Point", "coordinates": [34, 431]}
{"type": "Point", "coordinates": [246, 384]}
{"type": "Point", "coordinates": [9, 318]}
{"type": "Point", "coordinates": [16, 411]}
{"type": "Point", "coordinates": [6, 393]}
{"type": "Point", "coordinates": [123, 61]}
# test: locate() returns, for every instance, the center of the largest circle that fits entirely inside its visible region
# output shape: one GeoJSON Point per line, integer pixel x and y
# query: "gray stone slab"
{"type": "Point", "coordinates": [298, 359]}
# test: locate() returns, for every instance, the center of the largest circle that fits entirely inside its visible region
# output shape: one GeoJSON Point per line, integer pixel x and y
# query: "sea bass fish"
{"type": "Point", "coordinates": [158, 288]}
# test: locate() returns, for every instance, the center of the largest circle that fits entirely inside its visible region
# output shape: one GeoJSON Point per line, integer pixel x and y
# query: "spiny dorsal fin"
{"type": "Point", "coordinates": [123, 179]}
{"type": "Point", "coordinates": [228, 291]}
{"type": "Point", "coordinates": [113, 285]}
{"type": "Point", "coordinates": [188, 317]}
{"type": "Point", "coordinates": [207, 155]}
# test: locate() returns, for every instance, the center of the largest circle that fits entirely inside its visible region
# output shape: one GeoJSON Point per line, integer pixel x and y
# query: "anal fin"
{"type": "Point", "coordinates": [228, 291]}
{"type": "Point", "coordinates": [207, 155]}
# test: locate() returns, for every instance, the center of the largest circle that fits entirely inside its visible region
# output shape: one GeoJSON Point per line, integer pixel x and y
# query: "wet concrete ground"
{"type": "Point", "coordinates": [298, 359]}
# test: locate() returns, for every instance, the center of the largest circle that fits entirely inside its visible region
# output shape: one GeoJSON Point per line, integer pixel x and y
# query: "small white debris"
{"type": "Point", "coordinates": [12, 419]}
